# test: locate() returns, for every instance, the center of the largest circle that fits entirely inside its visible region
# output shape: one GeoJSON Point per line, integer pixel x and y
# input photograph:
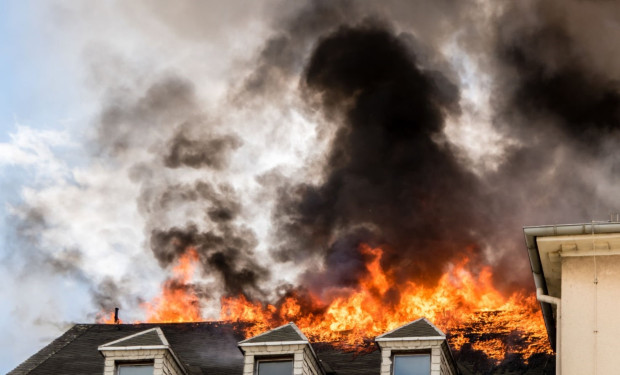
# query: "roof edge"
{"type": "Point", "coordinates": [421, 338]}
{"type": "Point", "coordinates": [129, 348]}
{"type": "Point", "coordinates": [273, 343]}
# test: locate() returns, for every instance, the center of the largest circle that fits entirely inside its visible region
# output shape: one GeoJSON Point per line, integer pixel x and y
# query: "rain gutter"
{"type": "Point", "coordinates": [531, 233]}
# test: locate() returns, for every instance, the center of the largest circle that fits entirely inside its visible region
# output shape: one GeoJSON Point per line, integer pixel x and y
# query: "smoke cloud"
{"type": "Point", "coordinates": [384, 171]}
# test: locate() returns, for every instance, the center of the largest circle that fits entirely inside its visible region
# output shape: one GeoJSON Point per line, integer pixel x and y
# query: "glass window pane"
{"type": "Point", "coordinates": [412, 364]}
{"type": "Point", "coordinates": [275, 368]}
{"type": "Point", "coordinates": [135, 370]}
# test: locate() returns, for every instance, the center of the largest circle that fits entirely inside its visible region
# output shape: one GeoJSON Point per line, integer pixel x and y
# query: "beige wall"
{"type": "Point", "coordinates": [590, 315]}
{"type": "Point", "coordinates": [164, 363]}
{"type": "Point", "coordinates": [439, 364]}
{"type": "Point", "coordinates": [304, 362]}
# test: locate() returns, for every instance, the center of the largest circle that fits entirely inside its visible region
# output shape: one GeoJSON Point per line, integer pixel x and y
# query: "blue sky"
{"type": "Point", "coordinates": [41, 91]}
{"type": "Point", "coordinates": [40, 87]}
{"type": "Point", "coordinates": [18, 46]}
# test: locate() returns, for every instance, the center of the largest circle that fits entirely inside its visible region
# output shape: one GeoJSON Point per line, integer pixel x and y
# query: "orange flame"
{"type": "Point", "coordinates": [463, 304]}
{"type": "Point", "coordinates": [107, 319]}
{"type": "Point", "coordinates": [178, 302]}
{"type": "Point", "coordinates": [466, 306]}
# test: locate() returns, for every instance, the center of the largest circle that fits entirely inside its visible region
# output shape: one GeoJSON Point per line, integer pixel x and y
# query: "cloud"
{"type": "Point", "coordinates": [33, 149]}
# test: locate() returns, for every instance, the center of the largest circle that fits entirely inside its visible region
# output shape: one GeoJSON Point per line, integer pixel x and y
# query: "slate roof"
{"type": "Point", "coordinates": [416, 329]}
{"type": "Point", "coordinates": [51, 349]}
{"type": "Point", "coordinates": [212, 348]}
{"type": "Point", "coordinates": [202, 348]}
{"type": "Point", "coordinates": [342, 362]}
{"type": "Point", "coordinates": [286, 333]}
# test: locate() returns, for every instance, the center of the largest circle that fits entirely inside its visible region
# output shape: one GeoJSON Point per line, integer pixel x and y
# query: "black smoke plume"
{"type": "Point", "coordinates": [387, 181]}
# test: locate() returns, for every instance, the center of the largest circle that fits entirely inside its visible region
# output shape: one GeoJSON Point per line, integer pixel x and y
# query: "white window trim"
{"type": "Point", "coordinates": [118, 366]}
{"type": "Point", "coordinates": [428, 354]}
{"type": "Point", "coordinates": [274, 359]}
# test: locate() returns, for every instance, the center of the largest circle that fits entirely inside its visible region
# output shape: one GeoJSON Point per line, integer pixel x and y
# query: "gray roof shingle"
{"type": "Point", "coordinates": [417, 328]}
{"type": "Point", "coordinates": [285, 333]}
{"type": "Point", "coordinates": [50, 350]}
{"type": "Point", "coordinates": [202, 348]}
{"type": "Point", "coordinates": [147, 338]}
{"type": "Point", "coordinates": [207, 347]}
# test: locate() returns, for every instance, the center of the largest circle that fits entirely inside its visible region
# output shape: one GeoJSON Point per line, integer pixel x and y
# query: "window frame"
{"type": "Point", "coordinates": [119, 364]}
{"type": "Point", "coordinates": [409, 353]}
{"type": "Point", "coordinates": [258, 360]}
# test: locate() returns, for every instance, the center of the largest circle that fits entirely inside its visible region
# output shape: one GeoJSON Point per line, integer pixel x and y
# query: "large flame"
{"type": "Point", "coordinates": [464, 304]}
{"type": "Point", "coordinates": [177, 303]}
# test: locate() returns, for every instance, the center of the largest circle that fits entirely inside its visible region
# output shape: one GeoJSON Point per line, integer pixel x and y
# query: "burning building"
{"type": "Point", "coordinates": [355, 334]}
{"type": "Point", "coordinates": [381, 214]}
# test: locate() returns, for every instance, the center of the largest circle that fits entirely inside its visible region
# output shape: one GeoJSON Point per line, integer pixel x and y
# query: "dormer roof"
{"type": "Point", "coordinates": [420, 329]}
{"type": "Point", "coordinates": [286, 334]}
{"type": "Point", "coordinates": [150, 339]}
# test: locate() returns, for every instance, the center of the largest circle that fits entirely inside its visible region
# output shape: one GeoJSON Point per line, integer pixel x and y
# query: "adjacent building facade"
{"type": "Point", "coordinates": [576, 269]}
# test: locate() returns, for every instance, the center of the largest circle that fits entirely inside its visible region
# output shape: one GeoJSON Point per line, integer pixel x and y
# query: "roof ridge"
{"type": "Point", "coordinates": [49, 350]}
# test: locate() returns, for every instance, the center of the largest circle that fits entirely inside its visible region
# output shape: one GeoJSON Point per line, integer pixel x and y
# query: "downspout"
{"type": "Point", "coordinates": [558, 341]}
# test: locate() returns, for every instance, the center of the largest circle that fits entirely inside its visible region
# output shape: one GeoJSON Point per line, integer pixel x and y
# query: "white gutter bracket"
{"type": "Point", "coordinates": [545, 298]}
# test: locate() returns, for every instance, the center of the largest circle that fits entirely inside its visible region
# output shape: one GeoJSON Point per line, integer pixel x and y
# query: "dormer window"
{"type": "Point", "coordinates": [282, 351]}
{"type": "Point", "coordinates": [417, 348]}
{"type": "Point", "coordinates": [140, 354]}
{"type": "Point", "coordinates": [412, 364]}
{"type": "Point", "coordinates": [135, 369]}
{"type": "Point", "coordinates": [275, 367]}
